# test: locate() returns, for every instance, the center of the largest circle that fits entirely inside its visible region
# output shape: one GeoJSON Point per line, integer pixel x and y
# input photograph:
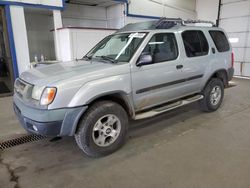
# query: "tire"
{"type": "Point", "coordinates": [208, 104]}
{"type": "Point", "coordinates": [102, 129]}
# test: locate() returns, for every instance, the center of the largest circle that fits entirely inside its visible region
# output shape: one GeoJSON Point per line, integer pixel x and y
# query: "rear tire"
{"type": "Point", "coordinates": [213, 95]}
{"type": "Point", "coordinates": [102, 130]}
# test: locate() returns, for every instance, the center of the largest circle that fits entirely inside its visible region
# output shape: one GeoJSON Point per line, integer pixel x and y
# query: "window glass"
{"type": "Point", "coordinates": [204, 43]}
{"type": "Point", "coordinates": [120, 47]}
{"type": "Point", "coordinates": [162, 47]}
{"type": "Point", "coordinates": [220, 41]}
{"type": "Point", "coordinates": [195, 43]}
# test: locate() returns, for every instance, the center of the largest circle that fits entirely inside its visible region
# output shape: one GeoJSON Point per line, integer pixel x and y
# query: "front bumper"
{"type": "Point", "coordinates": [59, 122]}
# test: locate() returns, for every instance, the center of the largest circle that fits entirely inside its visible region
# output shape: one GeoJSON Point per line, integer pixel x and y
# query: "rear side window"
{"type": "Point", "coordinates": [220, 41]}
{"type": "Point", "coordinates": [162, 47]}
{"type": "Point", "coordinates": [195, 43]}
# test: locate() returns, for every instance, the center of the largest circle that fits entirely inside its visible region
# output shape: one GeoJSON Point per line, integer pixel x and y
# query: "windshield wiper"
{"type": "Point", "coordinates": [87, 57]}
{"type": "Point", "coordinates": [108, 59]}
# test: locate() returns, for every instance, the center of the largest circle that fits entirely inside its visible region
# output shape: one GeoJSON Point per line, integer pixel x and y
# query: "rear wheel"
{"type": "Point", "coordinates": [213, 95]}
{"type": "Point", "coordinates": [102, 129]}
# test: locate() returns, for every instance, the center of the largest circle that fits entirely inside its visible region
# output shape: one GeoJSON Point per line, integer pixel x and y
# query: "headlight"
{"type": "Point", "coordinates": [48, 95]}
{"type": "Point", "coordinates": [37, 92]}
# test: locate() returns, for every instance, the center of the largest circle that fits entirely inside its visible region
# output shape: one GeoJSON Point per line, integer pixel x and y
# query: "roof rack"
{"type": "Point", "coordinates": [166, 23]}
{"type": "Point", "coordinates": [163, 23]}
{"type": "Point", "coordinates": [199, 21]}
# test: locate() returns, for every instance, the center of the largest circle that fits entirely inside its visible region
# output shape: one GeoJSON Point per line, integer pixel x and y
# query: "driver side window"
{"type": "Point", "coordinates": [162, 47]}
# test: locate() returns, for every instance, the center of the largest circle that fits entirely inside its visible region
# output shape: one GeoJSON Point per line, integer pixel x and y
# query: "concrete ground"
{"type": "Point", "coordinates": [185, 148]}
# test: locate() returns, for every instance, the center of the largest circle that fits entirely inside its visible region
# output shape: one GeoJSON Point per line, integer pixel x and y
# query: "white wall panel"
{"type": "Point", "coordinates": [84, 23]}
{"type": "Point", "coordinates": [75, 43]}
{"type": "Point", "coordinates": [247, 55]}
{"type": "Point", "coordinates": [178, 8]}
{"type": "Point", "coordinates": [230, 1]}
{"type": "Point", "coordinates": [247, 40]}
{"type": "Point", "coordinates": [134, 20]}
{"type": "Point", "coordinates": [207, 9]}
{"type": "Point", "coordinates": [80, 11]}
{"type": "Point", "coordinates": [84, 16]}
{"type": "Point", "coordinates": [57, 19]}
{"type": "Point", "coordinates": [96, 17]}
{"type": "Point", "coordinates": [235, 24]}
{"type": "Point", "coordinates": [65, 49]}
{"type": "Point", "coordinates": [241, 37]}
{"type": "Point", "coordinates": [235, 19]}
{"type": "Point", "coordinates": [235, 9]}
{"type": "Point", "coordinates": [239, 54]}
{"type": "Point", "coordinates": [40, 37]}
{"type": "Point", "coordinates": [115, 16]}
{"type": "Point", "coordinates": [58, 3]}
{"type": "Point", "coordinates": [237, 66]}
{"type": "Point", "coordinates": [50, 2]}
{"type": "Point", "coordinates": [20, 38]}
{"type": "Point", "coordinates": [246, 69]}
{"type": "Point", "coordinates": [84, 40]}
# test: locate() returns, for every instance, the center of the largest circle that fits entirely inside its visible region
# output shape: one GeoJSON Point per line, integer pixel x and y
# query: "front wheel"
{"type": "Point", "coordinates": [102, 129]}
{"type": "Point", "coordinates": [213, 95]}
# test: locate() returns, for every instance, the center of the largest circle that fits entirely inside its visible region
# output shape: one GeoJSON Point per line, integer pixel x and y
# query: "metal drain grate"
{"type": "Point", "coordinates": [20, 140]}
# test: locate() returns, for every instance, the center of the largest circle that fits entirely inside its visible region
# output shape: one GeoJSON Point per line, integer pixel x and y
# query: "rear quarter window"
{"type": "Point", "coordinates": [220, 41]}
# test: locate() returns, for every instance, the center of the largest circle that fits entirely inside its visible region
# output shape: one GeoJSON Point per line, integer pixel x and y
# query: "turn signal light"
{"type": "Point", "coordinates": [48, 96]}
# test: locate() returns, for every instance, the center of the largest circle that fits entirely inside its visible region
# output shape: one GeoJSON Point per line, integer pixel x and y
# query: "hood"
{"type": "Point", "coordinates": [51, 74]}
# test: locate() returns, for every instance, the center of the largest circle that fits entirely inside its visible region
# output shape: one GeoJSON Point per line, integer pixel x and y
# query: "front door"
{"type": "Point", "coordinates": [157, 83]}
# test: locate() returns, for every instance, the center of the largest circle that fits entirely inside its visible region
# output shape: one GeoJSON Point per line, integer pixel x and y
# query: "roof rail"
{"type": "Point", "coordinates": [189, 21]}
{"type": "Point", "coordinates": [170, 22]}
{"type": "Point", "coordinates": [163, 23]}
{"type": "Point", "coordinates": [166, 23]}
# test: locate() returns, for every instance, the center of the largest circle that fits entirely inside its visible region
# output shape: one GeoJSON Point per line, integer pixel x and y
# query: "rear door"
{"type": "Point", "coordinates": [196, 58]}
{"type": "Point", "coordinates": [224, 53]}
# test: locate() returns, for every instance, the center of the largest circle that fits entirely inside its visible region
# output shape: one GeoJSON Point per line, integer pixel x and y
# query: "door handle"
{"type": "Point", "coordinates": [213, 50]}
{"type": "Point", "coordinates": [179, 66]}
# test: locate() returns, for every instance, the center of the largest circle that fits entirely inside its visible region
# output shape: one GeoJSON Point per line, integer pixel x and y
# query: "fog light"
{"type": "Point", "coordinates": [35, 128]}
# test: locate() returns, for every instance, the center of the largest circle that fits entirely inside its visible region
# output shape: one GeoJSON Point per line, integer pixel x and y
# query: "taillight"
{"type": "Point", "coordinates": [232, 60]}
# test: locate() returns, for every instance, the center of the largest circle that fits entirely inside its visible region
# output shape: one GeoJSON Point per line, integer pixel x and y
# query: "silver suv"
{"type": "Point", "coordinates": [141, 71]}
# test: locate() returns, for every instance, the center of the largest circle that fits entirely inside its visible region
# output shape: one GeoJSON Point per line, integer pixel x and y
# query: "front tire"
{"type": "Point", "coordinates": [213, 95]}
{"type": "Point", "coordinates": [102, 130]}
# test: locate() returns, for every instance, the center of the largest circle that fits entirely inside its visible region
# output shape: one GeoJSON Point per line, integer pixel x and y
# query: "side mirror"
{"type": "Point", "coordinates": [144, 59]}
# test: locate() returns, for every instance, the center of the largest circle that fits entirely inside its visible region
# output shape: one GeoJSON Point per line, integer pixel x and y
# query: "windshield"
{"type": "Point", "coordinates": [118, 47]}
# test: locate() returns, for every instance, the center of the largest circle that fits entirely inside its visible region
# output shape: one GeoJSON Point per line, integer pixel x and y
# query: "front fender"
{"type": "Point", "coordinates": [96, 88]}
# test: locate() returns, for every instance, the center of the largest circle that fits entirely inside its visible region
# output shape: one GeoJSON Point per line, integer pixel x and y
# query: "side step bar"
{"type": "Point", "coordinates": [168, 107]}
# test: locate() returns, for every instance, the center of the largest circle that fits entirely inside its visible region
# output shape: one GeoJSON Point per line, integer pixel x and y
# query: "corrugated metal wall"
{"type": "Point", "coordinates": [235, 19]}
